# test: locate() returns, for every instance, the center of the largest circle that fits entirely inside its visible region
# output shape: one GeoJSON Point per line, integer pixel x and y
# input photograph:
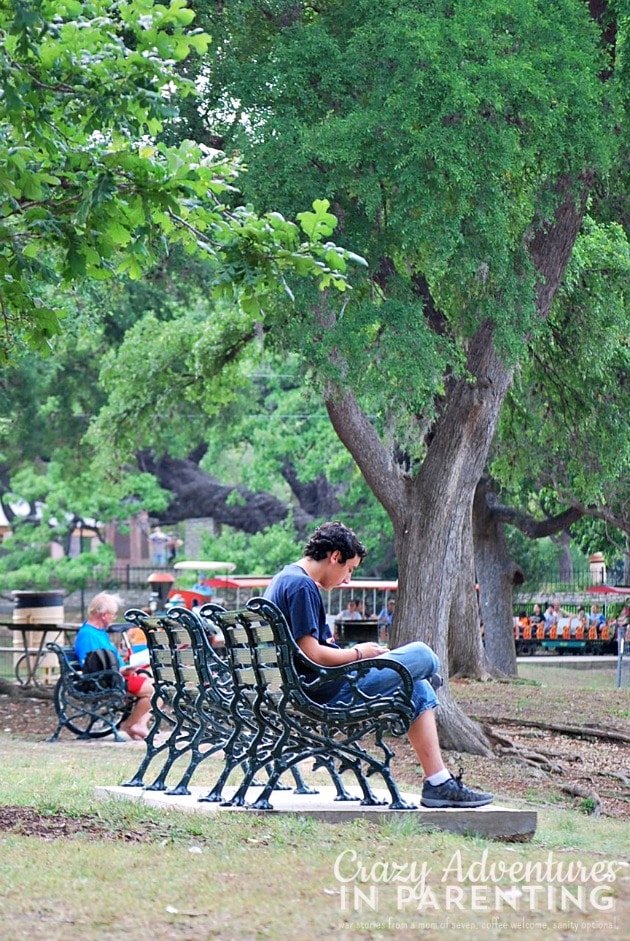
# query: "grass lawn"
{"type": "Point", "coordinates": [76, 868]}
{"type": "Point", "coordinates": [127, 870]}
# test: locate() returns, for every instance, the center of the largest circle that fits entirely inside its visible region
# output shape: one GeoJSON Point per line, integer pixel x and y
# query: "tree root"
{"type": "Point", "coordinates": [495, 738]}
{"type": "Point", "coordinates": [458, 732]}
{"type": "Point", "coordinates": [535, 759]}
{"type": "Point", "coordinates": [584, 731]}
{"type": "Point", "coordinates": [503, 745]}
{"type": "Point", "coordinates": [487, 673]}
{"type": "Point", "coordinates": [15, 691]}
{"type": "Point", "coordinates": [576, 791]}
{"type": "Point", "coordinates": [619, 775]}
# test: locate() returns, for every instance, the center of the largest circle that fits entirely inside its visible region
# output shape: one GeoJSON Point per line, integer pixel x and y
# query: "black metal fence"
{"type": "Point", "coordinates": [123, 577]}
{"type": "Point", "coordinates": [136, 576]}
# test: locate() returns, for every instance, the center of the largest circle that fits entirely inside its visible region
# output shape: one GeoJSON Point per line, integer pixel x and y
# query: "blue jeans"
{"type": "Point", "coordinates": [421, 663]}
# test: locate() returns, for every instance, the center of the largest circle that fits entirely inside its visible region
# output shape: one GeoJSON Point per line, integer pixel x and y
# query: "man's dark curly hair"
{"type": "Point", "coordinates": [334, 537]}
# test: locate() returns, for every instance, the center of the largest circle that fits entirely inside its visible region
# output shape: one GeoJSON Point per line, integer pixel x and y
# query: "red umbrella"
{"type": "Point", "coordinates": [607, 590]}
{"type": "Point", "coordinates": [219, 583]}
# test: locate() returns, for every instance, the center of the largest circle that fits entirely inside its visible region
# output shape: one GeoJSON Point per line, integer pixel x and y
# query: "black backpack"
{"type": "Point", "coordinates": [97, 661]}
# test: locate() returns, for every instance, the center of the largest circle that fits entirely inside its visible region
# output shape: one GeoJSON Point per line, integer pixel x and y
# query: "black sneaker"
{"type": "Point", "coordinates": [436, 681]}
{"type": "Point", "coordinates": [453, 793]}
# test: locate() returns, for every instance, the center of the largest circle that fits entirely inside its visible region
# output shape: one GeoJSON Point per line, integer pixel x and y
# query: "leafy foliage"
{"type": "Point", "coordinates": [436, 130]}
{"type": "Point", "coordinates": [565, 424]}
{"type": "Point", "coordinates": [89, 194]}
{"type": "Point", "coordinates": [25, 559]}
{"type": "Point", "coordinates": [85, 190]}
{"type": "Point", "coordinates": [259, 554]}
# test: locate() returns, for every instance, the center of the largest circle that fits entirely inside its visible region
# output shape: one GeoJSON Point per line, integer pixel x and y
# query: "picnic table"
{"type": "Point", "coordinates": [33, 654]}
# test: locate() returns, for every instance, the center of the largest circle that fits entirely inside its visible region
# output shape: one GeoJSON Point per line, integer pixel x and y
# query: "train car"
{"type": "Point", "coordinates": [570, 635]}
{"type": "Point", "coordinates": [205, 588]}
{"type": "Point", "coordinates": [576, 631]}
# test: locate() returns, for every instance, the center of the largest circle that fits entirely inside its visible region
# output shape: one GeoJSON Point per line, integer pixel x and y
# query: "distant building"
{"type": "Point", "coordinates": [130, 541]}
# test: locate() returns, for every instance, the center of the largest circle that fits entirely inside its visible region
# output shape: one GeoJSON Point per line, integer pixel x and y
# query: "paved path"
{"type": "Point", "coordinates": [577, 662]}
{"type": "Point", "coordinates": [492, 821]}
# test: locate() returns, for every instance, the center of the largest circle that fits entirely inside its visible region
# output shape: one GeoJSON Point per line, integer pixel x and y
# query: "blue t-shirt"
{"type": "Point", "coordinates": [299, 599]}
{"type": "Point", "coordinates": [93, 638]}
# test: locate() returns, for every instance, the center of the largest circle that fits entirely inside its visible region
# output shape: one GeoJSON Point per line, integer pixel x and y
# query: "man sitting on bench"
{"type": "Point", "coordinates": [93, 636]}
{"type": "Point", "coordinates": [330, 557]}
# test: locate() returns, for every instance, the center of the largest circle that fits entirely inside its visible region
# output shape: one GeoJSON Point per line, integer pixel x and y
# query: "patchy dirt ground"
{"type": "Point", "coordinates": [26, 821]}
{"type": "Point", "coordinates": [558, 741]}
{"type": "Point", "coordinates": [553, 744]}
{"type": "Point", "coordinates": [560, 745]}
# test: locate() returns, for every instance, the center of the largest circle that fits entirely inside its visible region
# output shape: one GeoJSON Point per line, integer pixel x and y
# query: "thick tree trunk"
{"type": "Point", "coordinates": [430, 512]}
{"type": "Point", "coordinates": [439, 507]}
{"type": "Point", "coordinates": [466, 654]}
{"type": "Point", "coordinates": [566, 559]}
{"type": "Point", "coordinates": [497, 574]}
{"type": "Point", "coordinates": [14, 691]}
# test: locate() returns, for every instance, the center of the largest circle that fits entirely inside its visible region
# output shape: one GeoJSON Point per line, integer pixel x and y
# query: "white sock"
{"type": "Point", "coordinates": [439, 777]}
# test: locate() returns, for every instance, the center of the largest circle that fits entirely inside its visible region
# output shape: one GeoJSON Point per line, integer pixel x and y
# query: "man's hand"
{"type": "Point", "coordinates": [370, 649]}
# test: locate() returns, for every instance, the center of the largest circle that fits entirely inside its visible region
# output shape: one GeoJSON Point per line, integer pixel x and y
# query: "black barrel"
{"type": "Point", "coordinates": [38, 607]}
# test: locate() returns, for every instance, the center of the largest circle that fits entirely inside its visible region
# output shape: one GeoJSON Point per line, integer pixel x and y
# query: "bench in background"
{"type": "Point", "coordinates": [90, 705]}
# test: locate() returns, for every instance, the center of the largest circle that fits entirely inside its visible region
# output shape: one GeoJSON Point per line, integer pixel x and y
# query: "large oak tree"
{"type": "Point", "coordinates": [458, 143]}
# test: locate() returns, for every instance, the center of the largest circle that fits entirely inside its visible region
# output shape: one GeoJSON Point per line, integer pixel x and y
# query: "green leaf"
{"type": "Point", "coordinates": [32, 250]}
{"type": "Point", "coordinates": [319, 224]}
{"type": "Point", "coordinates": [81, 178]}
{"type": "Point", "coordinates": [118, 233]}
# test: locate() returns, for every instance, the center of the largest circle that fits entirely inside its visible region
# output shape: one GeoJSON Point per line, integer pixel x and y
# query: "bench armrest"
{"type": "Point", "coordinates": [352, 674]}
{"type": "Point", "coordinates": [67, 658]}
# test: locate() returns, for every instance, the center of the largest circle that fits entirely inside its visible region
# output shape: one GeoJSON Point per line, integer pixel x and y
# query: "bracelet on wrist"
{"type": "Point", "coordinates": [359, 655]}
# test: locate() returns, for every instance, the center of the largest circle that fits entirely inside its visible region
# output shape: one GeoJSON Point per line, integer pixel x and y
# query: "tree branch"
{"type": "Point", "coordinates": [381, 472]}
{"type": "Point", "coordinates": [560, 233]}
{"type": "Point", "coordinates": [197, 494]}
{"type": "Point", "coordinates": [316, 497]}
{"type": "Point", "coordinates": [529, 525]}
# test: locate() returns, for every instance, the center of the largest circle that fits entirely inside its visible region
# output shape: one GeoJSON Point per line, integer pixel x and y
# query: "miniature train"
{"type": "Point", "coordinates": [572, 635]}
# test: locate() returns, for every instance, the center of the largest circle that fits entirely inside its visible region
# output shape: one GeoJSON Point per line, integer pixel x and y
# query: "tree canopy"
{"type": "Point", "coordinates": [86, 191]}
{"type": "Point", "coordinates": [565, 424]}
{"type": "Point", "coordinates": [459, 146]}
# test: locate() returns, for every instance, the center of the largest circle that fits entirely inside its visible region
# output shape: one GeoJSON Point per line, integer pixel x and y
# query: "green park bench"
{"type": "Point", "coordinates": [191, 702]}
{"type": "Point", "coordinates": [88, 704]}
{"type": "Point", "coordinates": [194, 691]}
{"type": "Point", "coordinates": [256, 708]}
